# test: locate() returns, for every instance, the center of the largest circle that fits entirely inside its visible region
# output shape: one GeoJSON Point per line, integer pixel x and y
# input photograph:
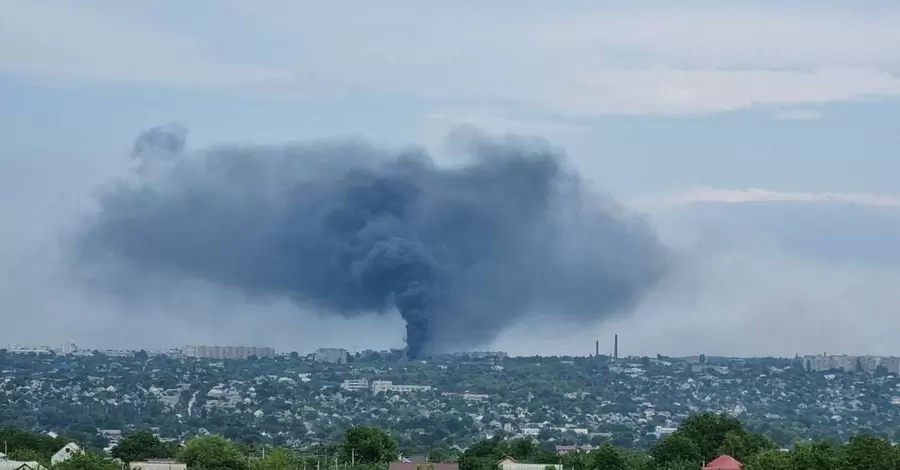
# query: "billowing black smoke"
{"type": "Point", "coordinates": [347, 228]}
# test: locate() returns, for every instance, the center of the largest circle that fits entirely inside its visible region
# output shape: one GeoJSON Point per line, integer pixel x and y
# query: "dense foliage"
{"type": "Point", "coordinates": [702, 438]}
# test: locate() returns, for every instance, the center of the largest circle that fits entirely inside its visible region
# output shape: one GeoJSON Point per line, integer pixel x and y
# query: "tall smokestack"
{"type": "Point", "coordinates": [616, 347]}
{"type": "Point", "coordinates": [596, 348]}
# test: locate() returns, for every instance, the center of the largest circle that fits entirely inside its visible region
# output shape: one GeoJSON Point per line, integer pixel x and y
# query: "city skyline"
{"type": "Point", "coordinates": [846, 361]}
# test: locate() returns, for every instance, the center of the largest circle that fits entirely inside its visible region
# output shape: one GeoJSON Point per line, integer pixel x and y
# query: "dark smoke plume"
{"type": "Point", "coordinates": [347, 228]}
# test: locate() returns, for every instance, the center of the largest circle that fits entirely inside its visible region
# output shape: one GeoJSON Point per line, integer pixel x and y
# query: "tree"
{"type": "Point", "coordinates": [607, 457]}
{"type": "Point", "coordinates": [213, 452]}
{"type": "Point", "coordinates": [868, 453]}
{"type": "Point", "coordinates": [743, 445]}
{"type": "Point", "coordinates": [816, 456]}
{"type": "Point", "coordinates": [769, 460]}
{"type": "Point", "coordinates": [637, 460]}
{"type": "Point", "coordinates": [277, 459]}
{"type": "Point", "coordinates": [28, 455]}
{"type": "Point", "coordinates": [523, 449]}
{"type": "Point", "coordinates": [676, 448]}
{"type": "Point", "coordinates": [367, 444]}
{"type": "Point", "coordinates": [140, 446]}
{"type": "Point", "coordinates": [87, 461]}
{"type": "Point", "coordinates": [19, 440]}
{"type": "Point", "coordinates": [576, 461]}
{"type": "Point", "coordinates": [708, 431]}
{"type": "Point", "coordinates": [441, 454]}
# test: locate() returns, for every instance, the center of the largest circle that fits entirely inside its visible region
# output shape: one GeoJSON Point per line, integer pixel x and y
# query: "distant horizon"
{"type": "Point", "coordinates": [351, 350]}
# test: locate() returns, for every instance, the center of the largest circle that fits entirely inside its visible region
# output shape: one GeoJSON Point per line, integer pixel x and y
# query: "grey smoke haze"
{"type": "Point", "coordinates": [347, 228]}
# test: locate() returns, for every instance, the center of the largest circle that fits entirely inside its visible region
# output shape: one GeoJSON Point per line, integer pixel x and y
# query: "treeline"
{"type": "Point", "coordinates": [700, 439]}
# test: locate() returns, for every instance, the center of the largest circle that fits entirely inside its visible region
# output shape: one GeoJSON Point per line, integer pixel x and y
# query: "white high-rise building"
{"type": "Point", "coordinates": [355, 384]}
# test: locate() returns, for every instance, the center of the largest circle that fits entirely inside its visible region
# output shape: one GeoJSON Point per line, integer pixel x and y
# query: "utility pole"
{"type": "Point", "coordinates": [352, 458]}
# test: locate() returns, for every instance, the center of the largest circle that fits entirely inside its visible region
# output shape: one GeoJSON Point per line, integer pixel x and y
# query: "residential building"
{"type": "Point", "coordinates": [355, 384]}
{"type": "Point", "coordinates": [510, 463]}
{"type": "Point", "coordinates": [6, 464]}
{"type": "Point", "coordinates": [65, 453]}
{"type": "Point", "coordinates": [68, 348]}
{"type": "Point", "coordinates": [724, 462]}
{"type": "Point", "coordinates": [332, 355]}
{"type": "Point", "coordinates": [891, 364]}
{"type": "Point", "coordinates": [117, 352]}
{"type": "Point", "coordinates": [563, 450]}
{"type": "Point", "coordinates": [662, 431]}
{"type": "Point", "coordinates": [157, 465]}
{"type": "Point", "coordinates": [423, 466]}
{"type": "Point", "coordinates": [379, 386]}
{"type": "Point", "coordinates": [227, 352]}
{"type": "Point", "coordinates": [39, 350]}
{"type": "Point", "coordinates": [852, 363]}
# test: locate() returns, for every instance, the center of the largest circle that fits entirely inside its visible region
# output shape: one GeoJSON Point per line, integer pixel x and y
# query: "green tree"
{"type": "Point", "coordinates": [708, 431]}
{"type": "Point", "coordinates": [769, 460]}
{"type": "Point", "coordinates": [276, 459]}
{"type": "Point", "coordinates": [607, 457]}
{"type": "Point", "coordinates": [140, 446]}
{"type": "Point", "coordinates": [28, 455]}
{"type": "Point", "coordinates": [367, 444]}
{"type": "Point", "coordinates": [441, 454]}
{"type": "Point", "coordinates": [816, 456]}
{"type": "Point", "coordinates": [576, 461]}
{"type": "Point", "coordinates": [675, 448]}
{"type": "Point", "coordinates": [20, 440]}
{"type": "Point", "coordinates": [864, 452]}
{"type": "Point", "coordinates": [638, 460]}
{"type": "Point", "coordinates": [87, 461]}
{"type": "Point", "coordinates": [679, 465]}
{"type": "Point", "coordinates": [213, 452]}
{"type": "Point", "coordinates": [742, 445]}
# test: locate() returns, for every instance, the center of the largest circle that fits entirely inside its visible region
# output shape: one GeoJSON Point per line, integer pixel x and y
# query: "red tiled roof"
{"type": "Point", "coordinates": [724, 462]}
{"type": "Point", "coordinates": [423, 466]}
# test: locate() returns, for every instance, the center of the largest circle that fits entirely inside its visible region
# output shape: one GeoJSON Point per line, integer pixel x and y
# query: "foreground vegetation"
{"type": "Point", "coordinates": [700, 439]}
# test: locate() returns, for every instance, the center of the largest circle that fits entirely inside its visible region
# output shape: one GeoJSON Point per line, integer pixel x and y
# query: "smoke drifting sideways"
{"type": "Point", "coordinates": [346, 228]}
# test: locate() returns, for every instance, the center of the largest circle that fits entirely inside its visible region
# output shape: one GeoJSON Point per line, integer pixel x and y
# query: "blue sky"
{"type": "Point", "coordinates": [655, 102]}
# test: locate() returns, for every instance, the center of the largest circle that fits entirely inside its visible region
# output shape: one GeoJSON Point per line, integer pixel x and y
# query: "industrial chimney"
{"type": "Point", "coordinates": [616, 347]}
{"type": "Point", "coordinates": [597, 349]}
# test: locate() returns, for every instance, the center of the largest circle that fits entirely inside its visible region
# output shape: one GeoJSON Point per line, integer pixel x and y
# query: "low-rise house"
{"type": "Point", "coordinates": [724, 462]}
{"type": "Point", "coordinates": [510, 463]}
{"type": "Point", "coordinates": [157, 465]}
{"type": "Point", "coordinates": [563, 450]}
{"type": "Point", "coordinates": [6, 464]}
{"type": "Point", "coordinates": [65, 453]}
{"type": "Point", "coordinates": [423, 466]}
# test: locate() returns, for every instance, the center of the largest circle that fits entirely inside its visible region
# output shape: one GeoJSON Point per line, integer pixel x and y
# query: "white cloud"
{"type": "Point", "coordinates": [796, 115]}
{"type": "Point", "coordinates": [668, 91]}
{"type": "Point", "coordinates": [498, 123]}
{"type": "Point", "coordinates": [593, 60]}
{"type": "Point", "coordinates": [726, 35]}
{"type": "Point", "coordinates": [62, 42]}
{"type": "Point", "coordinates": [737, 196]}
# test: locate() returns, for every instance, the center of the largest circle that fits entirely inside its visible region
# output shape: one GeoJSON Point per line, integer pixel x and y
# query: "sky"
{"type": "Point", "coordinates": [758, 139]}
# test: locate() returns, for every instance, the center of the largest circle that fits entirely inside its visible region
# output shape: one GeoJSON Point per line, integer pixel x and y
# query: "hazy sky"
{"type": "Point", "coordinates": [790, 108]}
